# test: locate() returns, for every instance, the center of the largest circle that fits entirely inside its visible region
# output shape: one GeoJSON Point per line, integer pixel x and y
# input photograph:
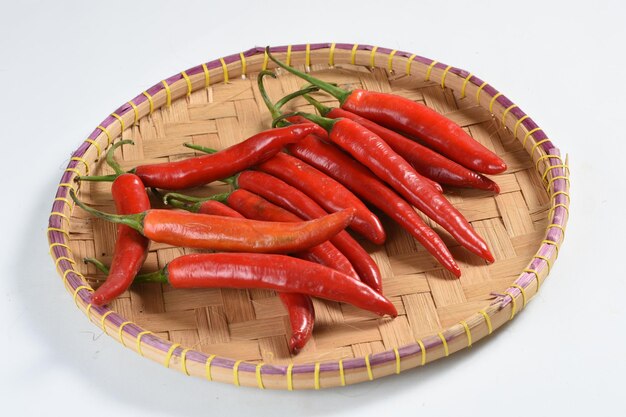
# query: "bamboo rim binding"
{"type": "Point", "coordinates": [548, 162]}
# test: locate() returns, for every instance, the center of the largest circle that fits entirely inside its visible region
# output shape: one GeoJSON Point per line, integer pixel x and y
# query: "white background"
{"type": "Point", "coordinates": [66, 65]}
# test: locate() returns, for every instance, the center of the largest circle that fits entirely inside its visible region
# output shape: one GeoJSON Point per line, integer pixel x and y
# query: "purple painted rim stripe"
{"type": "Point", "coordinates": [75, 280]}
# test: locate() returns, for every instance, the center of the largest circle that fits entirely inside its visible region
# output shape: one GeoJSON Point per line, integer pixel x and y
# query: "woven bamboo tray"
{"type": "Point", "coordinates": [240, 337]}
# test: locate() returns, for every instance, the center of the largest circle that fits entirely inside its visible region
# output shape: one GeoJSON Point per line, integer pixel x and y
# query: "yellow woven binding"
{"type": "Point", "coordinates": [80, 287]}
{"type": "Point", "coordinates": [429, 70]}
{"type": "Point", "coordinates": [468, 333]}
{"type": "Point", "coordinates": [513, 305]}
{"type": "Point", "coordinates": [518, 123]}
{"type": "Point", "coordinates": [373, 57]}
{"type": "Point", "coordinates": [69, 203]}
{"type": "Point", "coordinates": [61, 215]}
{"type": "Point", "coordinates": [224, 70]}
{"type": "Point", "coordinates": [307, 57]}
{"type": "Point", "coordinates": [103, 320]}
{"type": "Point", "coordinates": [188, 81]}
{"type": "Point", "coordinates": [523, 292]}
{"type": "Point", "coordinates": [536, 274]}
{"type": "Point", "coordinates": [64, 258]}
{"type": "Point", "coordinates": [445, 343]}
{"type": "Point", "coordinates": [259, 376]}
{"type": "Point", "coordinates": [331, 55]}
{"type": "Point", "coordinates": [168, 94]}
{"type": "Point", "coordinates": [150, 101]}
{"type": "Point", "coordinates": [183, 361]}
{"type": "Point", "coordinates": [465, 81]}
{"type": "Point", "coordinates": [266, 59]}
{"type": "Point", "coordinates": [353, 54]}
{"type": "Point", "coordinates": [390, 61]}
{"type": "Point", "coordinates": [553, 208]}
{"type": "Point", "coordinates": [528, 134]}
{"type": "Point", "coordinates": [480, 89]}
{"type": "Point", "coordinates": [536, 145]}
{"type": "Point", "coordinates": [556, 178]}
{"type": "Point", "coordinates": [544, 176]}
{"type": "Point", "coordinates": [139, 336]}
{"type": "Point", "coordinates": [368, 366]}
{"type": "Point", "coordinates": [342, 375]}
{"type": "Point", "coordinates": [422, 350]}
{"type": "Point", "coordinates": [316, 376]}
{"type": "Point", "coordinates": [290, 377]}
{"type": "Point", "coordinates": [236, 372]}
{"type": "Point", "coordinates": [119, 332]}
{"type": "Point", "coordinates": [96, 144]}
{"type": "Point", "coordinates": [244, 65]}
{"type": "Point", "coordinates": [61, 245]}
{"type": "Point", "coordinates": [408, 64]}
{"type": "Point", "coordinates": [548, 156]}
{"type": "Point", "coordinates": [79, 159]}
{"type": "Point", "coordinates": [547, 260]}
{"type": "Point", "coordinates": [207, 367]}
{"type": "Point", "coordinates": [106, 132]}
{"type": "Point", "coordinates": [169, 354]}
{"type": "Point", "coordinates": [396, 353]}
{"type": "Point", "coordinates": [288, 57]}
{"type": "Point", "coordinates": [487, 321]}
{"type": "Point", "coordinates": [443, 76]}
{"type": "Point", "coordinates": [493, 100]}
{"type": "Point", "coordinates": [207, 76]}
{"type": "Point", "coordinates": [56, 229]}
{"type": "Point", "coordinates": [135, 110]}
{"type": "Point", "coordinates": [506, 111]}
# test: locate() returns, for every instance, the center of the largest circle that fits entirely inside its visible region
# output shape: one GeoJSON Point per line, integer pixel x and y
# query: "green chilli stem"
{"type": "Point", "coordinates": [321, 108]}
{"type": "Point", "coordinates": [111, 159]}
{"type": "Point", "coordinates": [199, 148]}
{"type": "Point", "coordinates": [324, 122]}
{"type": "Point", "coordinates": [156, 276]}
{"type": "Point", "coordinates": [266, 99]}
{"type": "Point", "coordinates": [339, 93]}
{"type": "Point", "coordinates": [134, 221]}
{"type": "Point", "coordinates": [98, 178]}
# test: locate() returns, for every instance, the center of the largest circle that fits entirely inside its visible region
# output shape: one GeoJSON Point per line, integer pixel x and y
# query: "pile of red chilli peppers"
{"type": "Point", "coordinates": [297, 186]}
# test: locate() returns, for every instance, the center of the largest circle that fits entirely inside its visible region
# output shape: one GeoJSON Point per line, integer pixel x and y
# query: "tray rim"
{"type": "Point", "coordinates": [554, 172]}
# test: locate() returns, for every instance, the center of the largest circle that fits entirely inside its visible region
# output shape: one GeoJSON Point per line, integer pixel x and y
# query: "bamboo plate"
{"type": "Point", "coordinates": [240, 337]}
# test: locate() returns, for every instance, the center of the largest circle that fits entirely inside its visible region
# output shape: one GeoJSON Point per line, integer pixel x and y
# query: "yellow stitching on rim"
{"type": "Point", "coordinates": [61, 215]}
{"type": "Point", "coordinates": [465, 84]}
{"type": "Point", "coordinates": [468, 333]}
{"type": "Point", "coordinates": [396, 353]}
{"type": "Point", "coordinates": [96, 144]}
{"type": "Point", "coordinates": [368, 366]}
{"type": "Point", "coordinates": [550, 168]}
{"type": "Point", "coordinates": [119, 332]}
{"type": "Point", "coordinates": [429, 70]}
{"type": "Point", "coordinates": [259, 376]}
{"type": "Point", "coordinates": [88, 311]}
{"type": "Point", "coordinates": [548, 261]}
{"type": "Point", "coordinates": [67, 185]}
{"type": "Point", "coordinates": [518, 123]}
{"type": "Point", "coordinates": [224, 70]}
{"type": "Point", "coordinates": [106, 131]}
{"type": "Point", "coordinates": [66, 201]}
{"type": "Point", "coordinates": [536, 145]}
{"type": "Point", "coordinates": [244, 65]}
{"type": "Point", "coordinates": [183, 360]}
{"type": "Point", "coordinates": [506, 111]}
{"type": "Point", "coordinates": [316, 376]}
{"type": "Point", "coordinates": [443, 76]}
{"type": "Point", "coordinates": [64, 258]}
{"type": "Point", "coordinates": [493, 100]}
{"type": "Point", "coordinates": [207, 76]}
{"type": "Point", "coordinates": [207, 367]}
{"type": "Point", "coordinates": [56, 229]}
{"type": "Point", "coordinates": [553, 179]}
{"type": "Point", "coordinates": [373, 57]}
{"type": "Point", "coordinates": [408, 64]}
{"type": "Point", "coordinates": [290, 377]}
{"type": "Point", "coordinates": [536, 274]}
{"type": "Point", "coordinates": [307, 56]}
{"type": "Point", "coordinates": [80, 287]}
{"type": "Point", "coordinates": [266, 59]}
{"type": "Point", "coordinates": [236, 372]}
{"type": "Point", "coordinates": [331, 55]}
{"type": "Point", "coordinates": [103, 319]}
{"type": "Point", "coordinates": [528, 134]}
{"type": "Point", "coordinates": [168, 94]}
{"type": "Point", "coordinates": [74, 170]}
{"type": "Point", "coordinates": [565, 193]}
{"type": "Point", "coordinates": [487, 320]}
{"type": "Point", "coordinates": [390, 61]}
{"type": "Point", "coordinates": [79, 159]}
{"type": "Point", "coordinates": [136, 111]}
{"type": "Point", "coordinates": [188, 81]}
{"type": "Point", "coordinates": [548, 156]}
{"type": "Point", "coordinates": [445, 343]}
{"type": "Point", "coordinates": [169, 354]}
{"type": "Point", "coordinates": [63, 245]}
{"type": "Point", "coordinates": [523, 292]}
{"type": "Point", "coordinates": [150, 101]}
{"type": "Point", "coordinates": [422, 350]}
{"type": "Point", "coordinates": [139, 336]}
{"type": "Point", "coordinates": [353, 54]}
{"type": "Point", "coordinates": [513, 304]}
{"type": "Point", "coordinates": [551, 211]}
{"type": "Point", "coordinates": [342, 375]}
{"type": "Point", "coordinates": [119, 119]}
{"type": "Point", "coordinates": [288, 57]}
{"type": "Point", "coordinates": [480, 89]}
{"type": "Point", "coordinates": [67, 271]}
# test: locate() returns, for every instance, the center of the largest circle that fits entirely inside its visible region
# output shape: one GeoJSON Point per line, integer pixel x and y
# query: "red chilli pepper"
{"type": "Point", "coordinates": [204, 169]}
{"type": "Point", "coordinates": [358, 178]}
{"type": "Point", "coordinates": [273, 272]}
{"type": "Point", "coordinates": [427, 162]}
{"type": "Point", "coordinates": [326, 192]}
{"type": "Point", "coordinates": [297, 202]}
{"type": "Point", "coordinates": [131, 248]}
{"type": "Point", "coordinates": [404, 115]}
{"type": "Point", "coordinates": [369, 149]}
{"type": "Point", "coordinates": [204, 231]}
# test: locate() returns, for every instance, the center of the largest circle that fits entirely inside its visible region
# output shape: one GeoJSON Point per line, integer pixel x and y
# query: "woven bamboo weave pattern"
{"type": "Point", "coordinates": [240, 336]}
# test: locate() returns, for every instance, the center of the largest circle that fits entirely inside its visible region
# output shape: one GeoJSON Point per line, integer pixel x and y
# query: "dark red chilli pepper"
{"type": "Point", "coordinates": [204, 169]}
{"type": "Point", "coordinates": [336, 163]}
{"type": "Point", "coordinates": [301, 318]}
{"type": "Point", "coordinates": [404, 115]}
{"type": "Point", "coordinates": [204, 231]}
{"type": "Point", "coordinates": [282, 194]}
{"type": "Point", "coordinates": [369, 149]}
{"type": "Point", "coordinates": [273, 272]}
{"type": "Point", "coordinates": [427, 162]}
{"type": "Point", "coordinates": [131, 248]}
{"type": "Point", "coordinates": [326, 192]}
